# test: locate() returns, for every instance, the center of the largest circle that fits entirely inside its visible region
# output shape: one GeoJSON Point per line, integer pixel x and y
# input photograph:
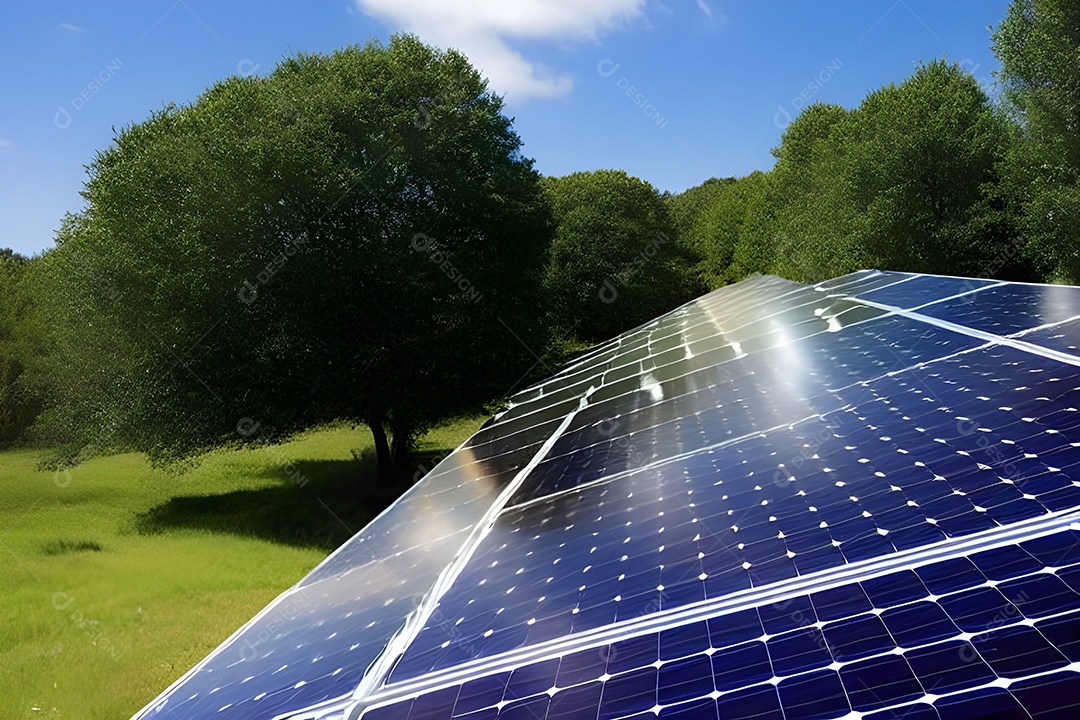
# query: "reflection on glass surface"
{"type": "Point", "coordinates": [642, 500]}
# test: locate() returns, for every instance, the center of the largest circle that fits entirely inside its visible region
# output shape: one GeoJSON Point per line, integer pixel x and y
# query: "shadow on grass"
{"type": "Point", "coordinates": [320, 504]}
{"type": "Point", "coordinates": [63, 547]}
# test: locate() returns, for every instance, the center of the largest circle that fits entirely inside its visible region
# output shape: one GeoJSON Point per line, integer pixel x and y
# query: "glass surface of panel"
{"type": "Point", "coordinates": [912, 648]}
{"type": "Point", "coordinates": [765, 434]}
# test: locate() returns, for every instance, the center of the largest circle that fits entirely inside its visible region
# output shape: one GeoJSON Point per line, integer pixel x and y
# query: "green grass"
{"type": "Point", "coordinates": [118, 577]}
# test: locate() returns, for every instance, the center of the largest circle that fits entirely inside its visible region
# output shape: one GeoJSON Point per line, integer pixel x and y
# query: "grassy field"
{"type": "Point", "coordinates": [117, 577]}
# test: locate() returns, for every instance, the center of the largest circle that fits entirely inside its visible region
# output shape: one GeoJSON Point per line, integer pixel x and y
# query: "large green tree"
{"type": "Point", "coordinates": [1038, 45]}
{"type": "Point", "coordinates": [921, 167]}
{"type": "Point", "coordinates": [614, 260]}
{"type": "Point", "coordinates": [353, 236]}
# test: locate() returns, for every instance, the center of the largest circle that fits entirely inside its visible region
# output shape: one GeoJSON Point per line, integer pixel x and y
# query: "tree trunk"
{"type": "Point", "coordinates": [400, 451]}
{"type": "Point", "coordinates": [382, 453]}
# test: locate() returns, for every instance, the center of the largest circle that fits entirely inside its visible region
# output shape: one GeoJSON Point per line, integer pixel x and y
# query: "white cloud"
{"type": "Point", "coordinates": [5, 144]}
{"type": "Point", "coordinates": [482, 29]}
{"type": "Point", "coordinates": [72, 27]}
{"type": "Point", "coordinates": [714, 18]}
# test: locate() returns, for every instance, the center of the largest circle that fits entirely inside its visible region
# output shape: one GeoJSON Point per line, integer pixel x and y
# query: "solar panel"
{"type": "Point", "coordinates": [857, 498]}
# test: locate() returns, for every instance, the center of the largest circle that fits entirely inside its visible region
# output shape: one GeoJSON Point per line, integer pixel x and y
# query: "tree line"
{"type": "Point", "coordinates": [356, 236]}
{"type": "Point", "coordinates": [936, 174]}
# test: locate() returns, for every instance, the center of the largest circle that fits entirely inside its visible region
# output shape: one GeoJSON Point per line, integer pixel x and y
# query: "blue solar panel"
{"type": "Point", "coordinates": [880, 657]}
{"type": "Point", "coordinates": [914, 290]}
{"type": "Point", "coordinates": [868, 674]}
{"type": "Point", "coordinates": [1009, 308]}
{"type": "Point", "coordinates": [652, 543]}
{"type": "Point", "coordinates": [779, 500]}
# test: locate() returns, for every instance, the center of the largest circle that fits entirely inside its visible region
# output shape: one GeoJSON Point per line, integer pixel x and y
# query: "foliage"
{"type": "Point", "coordinates": [1038, 45]}
{"type": "Point", "coordinates": [17, 407]}
{"type": "Point", "coordinates": [711, 233]}
{"type": "Point", "coordinates": [687, 207]}
{"type": "Point", "coordinates": [614, 262]}
{"type": "Point", "coordinates": [355, 236]}
{"type": "Point", "coordinates": [800, 225]}
{"type": "Point", "coordinates": [909, 180]}
{"type": "Point", "coordinates": [922, 158]}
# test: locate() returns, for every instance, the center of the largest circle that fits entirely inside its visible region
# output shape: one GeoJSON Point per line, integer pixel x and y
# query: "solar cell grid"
{"type": "Point", "coordinates": [765, 434]}
{"type": "Point", "coordinates": [916, 290]}
{"type": "Point", "coordinates": [749, 549]}
{"type": "Point", "coordinates": [1009, 307]}
{"type": "Point", "coordinates": [858, 661]}
{"type": "Point", "coordinates": [1063, 337]}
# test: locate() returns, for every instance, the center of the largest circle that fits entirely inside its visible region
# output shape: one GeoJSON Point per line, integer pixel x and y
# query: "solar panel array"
{"type": "Point", "coordinates": [854, 499]}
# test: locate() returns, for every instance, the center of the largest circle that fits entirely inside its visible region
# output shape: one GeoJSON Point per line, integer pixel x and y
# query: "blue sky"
{"type": "Point", "coordinates": [673, 91]}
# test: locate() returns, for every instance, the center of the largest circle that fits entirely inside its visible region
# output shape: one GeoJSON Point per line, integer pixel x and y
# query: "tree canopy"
{"type": "Point", "coordinates": [354, 236]}
{"type": "Point", "coordinates": [1038, 45]}
{"type": "Point", "coordinates": [908, 180]}
{"type": "Point", "coordinates": [614, 260]}
{"type": "Point", "coordinates": [17, 407]}
{"type": "Point", "coordinates": [922, 156]}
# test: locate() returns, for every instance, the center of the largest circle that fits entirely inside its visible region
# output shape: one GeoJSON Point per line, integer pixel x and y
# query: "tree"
{"type": "Point", "coordinates": [614, 262]}
{"type": "Point", "coordinates": [920, 166]}
{"type": "Point", "coordinates": [17, 407]}
{"type": "Point", "coordinates": [712, 230]}
{"type": "Point", "coordinates": [908, 181]}
{"type": "Point", "coordinates": [798, 224]}
{"type": "Point", "coordinates": [354, 236]}
{"type": "Point", "coordinates": [1038, 45]}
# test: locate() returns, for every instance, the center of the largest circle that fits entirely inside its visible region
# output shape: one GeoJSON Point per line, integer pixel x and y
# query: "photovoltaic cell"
{"type": "Point", "coordinates": [916, 290]}
{"type": "Point", "coordinates": [878, 658]}
{"type": "Point", "coordinates": [1009, 308]}
{"type": "Point", "coordinates": [662, 529]}
{"type": "Point", "coordinates": [779, 500]}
